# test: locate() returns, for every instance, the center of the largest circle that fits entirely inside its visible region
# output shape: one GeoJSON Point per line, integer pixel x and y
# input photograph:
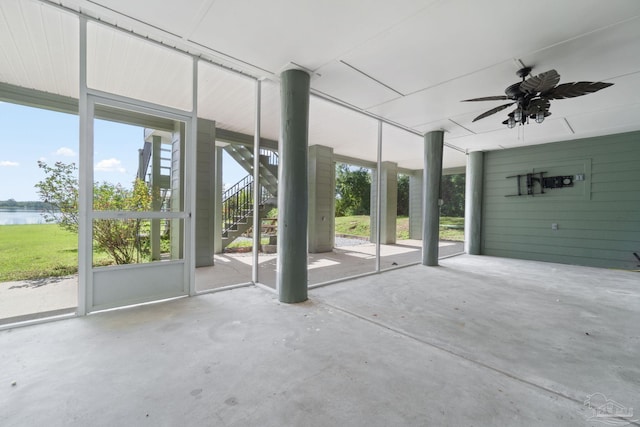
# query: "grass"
{"type": "Point", "coordinates": [243, 243]}
{"type": "Point", "coordinates": [451, 228]}
{"type": "Point", "coordinates": [40, 250]}
{"type": "Point", "coordinates": [353, 225]}
{"type": "Point", "coordinates": [45, 250]}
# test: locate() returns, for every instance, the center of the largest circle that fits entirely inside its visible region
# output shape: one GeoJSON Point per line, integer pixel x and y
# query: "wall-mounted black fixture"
{"type": "Point", "coordinates": [558, 181]}
{"type": "Point", "coordinates": [531, 179]}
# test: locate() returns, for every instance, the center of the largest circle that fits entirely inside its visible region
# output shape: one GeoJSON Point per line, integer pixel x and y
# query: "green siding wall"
{"type": "Point", "coordinates": [205, 192]}
{"type": "Point", "coordinates": [598, 219]}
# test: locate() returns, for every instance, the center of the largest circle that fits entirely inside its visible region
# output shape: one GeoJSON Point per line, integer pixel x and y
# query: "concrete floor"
{"type": "Point", "coordinates": [478, 341]}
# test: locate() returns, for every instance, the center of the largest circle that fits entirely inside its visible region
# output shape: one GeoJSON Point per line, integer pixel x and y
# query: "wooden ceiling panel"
{"type": "Point", "coordinates": [176, 17]}
{"type": "Point", "coordinates": [457, 38]}
{"type": "Point", "coordinates": [341, 81]}
{"type": "Point", "coordinates": [39, 47]}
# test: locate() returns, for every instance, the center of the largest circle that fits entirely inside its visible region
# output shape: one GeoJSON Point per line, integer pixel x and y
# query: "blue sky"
{"type": "Point", "coordinates": [31, 134]}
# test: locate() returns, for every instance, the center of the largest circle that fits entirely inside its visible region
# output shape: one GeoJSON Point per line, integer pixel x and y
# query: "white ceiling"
{"type": "Point", "coordinates": [407, 61]}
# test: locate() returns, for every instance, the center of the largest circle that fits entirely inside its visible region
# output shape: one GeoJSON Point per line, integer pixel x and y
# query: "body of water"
{"type": "Point", "coordinates": [20, 216]}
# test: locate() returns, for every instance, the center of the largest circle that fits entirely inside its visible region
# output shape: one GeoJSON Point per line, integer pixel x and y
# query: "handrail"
{"type": "Point", "coordinates": [272, 156]}
{"type": "Point", "coordinates": [237, 202]}
{"type": "Point", "coordinates": [236, 187]}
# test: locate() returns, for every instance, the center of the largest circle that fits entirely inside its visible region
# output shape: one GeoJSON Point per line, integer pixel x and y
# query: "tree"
{"type": "Point", "coordinates": [353, 190]}
{"type": "Point", "coordinates": [120, 238]}
{"type": "Point", "coordinates": [452, 194]}
{"type": "Point", "coordinates": [403, 195]}
{"type": "Point", "coordinates": [59, 191]}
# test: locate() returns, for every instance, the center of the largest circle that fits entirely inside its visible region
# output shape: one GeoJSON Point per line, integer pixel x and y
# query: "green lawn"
{"type": "Point", "coordinates": [45, 250]}
{"type": "Point", "coordinates": [36, 251]}
{"type": "Point", "coordinates": [451, 228]}
{"type": "Point", "coordinates": [247, 243]}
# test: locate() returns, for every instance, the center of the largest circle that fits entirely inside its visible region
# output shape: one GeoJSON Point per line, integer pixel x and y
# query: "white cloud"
{"type": "Point", "coordinates": [42, 159]}
{"type": "Point", "coordinates": [65, 151]}
{"type": "Point", "coordinates": [110, 165]}
{"type": "Point", "coordinates": [8, 163]}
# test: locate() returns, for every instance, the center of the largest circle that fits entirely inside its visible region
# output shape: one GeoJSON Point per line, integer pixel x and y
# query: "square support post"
{"type": "Point", "coordinates": [416, 179]}
{"type": "Point", "coordinates": [388, 205]}
{"type": "Point", "coordinates": [156, 194]}
{"type": "Point", "coordinates": [322, 199]}
{"type": "Point", "coordinates": [205, 192]}
{"type": "Point", "coordinates": [217, 203]}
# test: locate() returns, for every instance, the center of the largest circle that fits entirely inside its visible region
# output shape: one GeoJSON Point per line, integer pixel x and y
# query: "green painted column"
{"type": "Point", "coordinates": [473, 202]}
{"type": "Point", "coordinates": [176, 178]}
{"type": "Point", "coordinates": [292, 187]}
{"type": "Point", "coordinates": [433, 149]}
{"type": "Point", "coordinates": [217, 201]}
{"type": "Point", "coordinates": [416, 182]}
{"type": "Point", "coordinates": [156, 202]}
{"type": "Point", "coordinates": [205, 192]}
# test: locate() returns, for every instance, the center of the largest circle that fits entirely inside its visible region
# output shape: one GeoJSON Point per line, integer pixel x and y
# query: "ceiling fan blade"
{"type": "Point", "coordinates": [493, 111]}
{"type": "Point", "coordinates": [543, 82]}
{"type": "Point", "coordinates": [487, 98]}
{"type": "Point", "coordinates": [571, 90]}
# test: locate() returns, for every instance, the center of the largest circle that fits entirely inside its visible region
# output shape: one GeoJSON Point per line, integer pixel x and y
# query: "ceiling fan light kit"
{"type": "Point", "coordinates": [532, 96]}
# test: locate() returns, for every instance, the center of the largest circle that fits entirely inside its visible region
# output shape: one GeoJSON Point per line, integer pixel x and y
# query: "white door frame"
{"type": "Point", "coordinates": [108, 287]}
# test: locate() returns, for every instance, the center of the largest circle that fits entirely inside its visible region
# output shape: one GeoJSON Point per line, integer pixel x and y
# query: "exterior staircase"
{"type": "Point", "coordinates": [268, 164]}
{"type": "Point", "coordinates": [237, 201]}
{"type": "Point", "coordinates": [164, 176]}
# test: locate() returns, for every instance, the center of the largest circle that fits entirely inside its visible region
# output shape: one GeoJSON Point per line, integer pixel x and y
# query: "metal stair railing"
{"type": "Point", "coordinates": [271, 156]}
{"type": "Point", "coordinates": [237, 203]}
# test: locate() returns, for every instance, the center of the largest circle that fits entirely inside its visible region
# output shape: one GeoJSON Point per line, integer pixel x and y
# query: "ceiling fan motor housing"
{"type": "Point", "coordinates": [514, 91]}
{"type": "Point", "coordinates": [523, 72]}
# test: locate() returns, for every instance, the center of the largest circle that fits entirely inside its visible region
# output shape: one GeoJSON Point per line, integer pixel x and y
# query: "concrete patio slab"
{"type": "Point", "coordinates": [477, 341]}
{"type": "Point", "coordinates": [567, 329]}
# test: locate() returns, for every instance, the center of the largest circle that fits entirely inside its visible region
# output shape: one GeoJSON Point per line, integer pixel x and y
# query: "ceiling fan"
{"type": "Point", "coordinates": [532, 96]}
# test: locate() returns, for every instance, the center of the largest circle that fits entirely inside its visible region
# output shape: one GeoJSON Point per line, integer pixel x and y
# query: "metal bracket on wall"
{"type": "Point", "coordinates": [530, 179]}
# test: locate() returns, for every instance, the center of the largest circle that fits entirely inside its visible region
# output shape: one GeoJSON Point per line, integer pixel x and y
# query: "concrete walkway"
{"type": "Point", "coordinates": [27, 300]}
{"type": "Point", "coordinates": [31, 299]}
{"type": "Point", "coordinates": [342, 262]}
{"type": "Point", "coordinates": [478, 341]}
